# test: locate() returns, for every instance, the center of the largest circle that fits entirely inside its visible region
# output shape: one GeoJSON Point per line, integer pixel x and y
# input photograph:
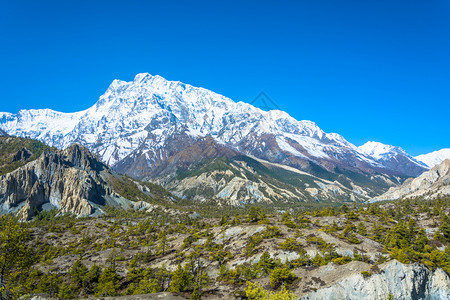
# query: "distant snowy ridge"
{"type": "Point", "coordinates": [380, 152]}
{"type": "Point", "coordinates": [434, 158]}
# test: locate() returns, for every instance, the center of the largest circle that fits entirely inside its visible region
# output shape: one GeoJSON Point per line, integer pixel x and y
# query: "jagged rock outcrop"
{"type": "Point", "coordinates": [431, 184]}
{"type": "Point", "coordinates": [71, 180]}
{"type": "Point", "coordinates": [22, 155]}
{"type": "Point", "coordinates": [403, 282]}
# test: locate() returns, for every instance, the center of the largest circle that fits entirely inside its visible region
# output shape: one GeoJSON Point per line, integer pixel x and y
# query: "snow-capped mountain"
{"type": "Point", "coordinates": [129, 112]}
{"type": "Point", "coordinates": [434, 158]}
{"type": "Point", "coordinates": [392, 157]}
{"type": "Point", "coordinates": [379, 151]}
{"type": "Point", "coordinates": [136, 126]}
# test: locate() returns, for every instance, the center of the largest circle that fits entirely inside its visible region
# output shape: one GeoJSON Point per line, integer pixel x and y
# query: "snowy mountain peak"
{"type": "Point", "coordinates": [379, 151]}
{"type": "Point", "coordinates": [115, 84]}
{"type": "Point", "coordinates": [142, 77]}
{"type": "Point", "coordinates": [392, 157]}
{"type": "Point", "coordinates": [434, 158]}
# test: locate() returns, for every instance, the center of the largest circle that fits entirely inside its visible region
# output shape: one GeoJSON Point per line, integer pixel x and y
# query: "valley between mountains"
{"type": "Point", "coordinates": [165, 190]}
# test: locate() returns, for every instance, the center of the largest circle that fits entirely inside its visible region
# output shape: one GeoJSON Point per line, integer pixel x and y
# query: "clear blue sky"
{"type": "Point", "coordinates": [369, 70]}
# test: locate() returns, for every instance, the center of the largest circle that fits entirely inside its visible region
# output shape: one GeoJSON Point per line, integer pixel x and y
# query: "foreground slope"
{"type": "Point", "coordinates": [397, 250]}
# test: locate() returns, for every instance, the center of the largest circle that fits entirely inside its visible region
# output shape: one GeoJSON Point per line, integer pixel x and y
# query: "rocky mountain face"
{"type": "Point", "coordinates": [153, 128]}
{"type": "Point", "coordinates": [241, 180]}
{"type": "Point", "coordinates": [397, 280]}
{"type": "Point", "coordinates": [71, 180]}
{"type": "Point", "coordinates": [431, 184]}
{"type": "Point", "coordinates": [434, 158]}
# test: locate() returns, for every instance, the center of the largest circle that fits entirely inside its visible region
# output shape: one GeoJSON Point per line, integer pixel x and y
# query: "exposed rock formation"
{"type": "Point", "coordinates": [413, 281]}
{"type": "Point", "coordinates": [430, 184]}
{"type": "Point", "coordinates": [22, 155]}
{"type": "Point", "coordinates": [71, 181]}
{"type": "Point", "coordinates": [237, 180]}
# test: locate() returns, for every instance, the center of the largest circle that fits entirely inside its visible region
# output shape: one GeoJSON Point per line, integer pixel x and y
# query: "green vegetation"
{"type": "Point", "coordinates": [128, 188]}
{"type": "Point", "coordinates": [16, 257]}
{"type": "Point", "coordinates": [281, 276]}
{"type": "Point", "coordinates": [256, 292]}
{"type": "Point", "coordinates": [255, 250]}
{"type": "Point", "coordinates": [127, 252]}
{"type": "Point", "coordinates": [9, 148]}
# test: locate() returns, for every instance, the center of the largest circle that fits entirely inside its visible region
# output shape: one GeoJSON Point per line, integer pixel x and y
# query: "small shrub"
{"type": "Point", "coordinates": [342, 260]}
{"type": "Point", "coordinates": [281, 275]}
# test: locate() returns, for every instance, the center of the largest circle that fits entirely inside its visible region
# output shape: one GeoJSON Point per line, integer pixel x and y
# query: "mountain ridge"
{"type": "Point", "coordinates": [137, 126]}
